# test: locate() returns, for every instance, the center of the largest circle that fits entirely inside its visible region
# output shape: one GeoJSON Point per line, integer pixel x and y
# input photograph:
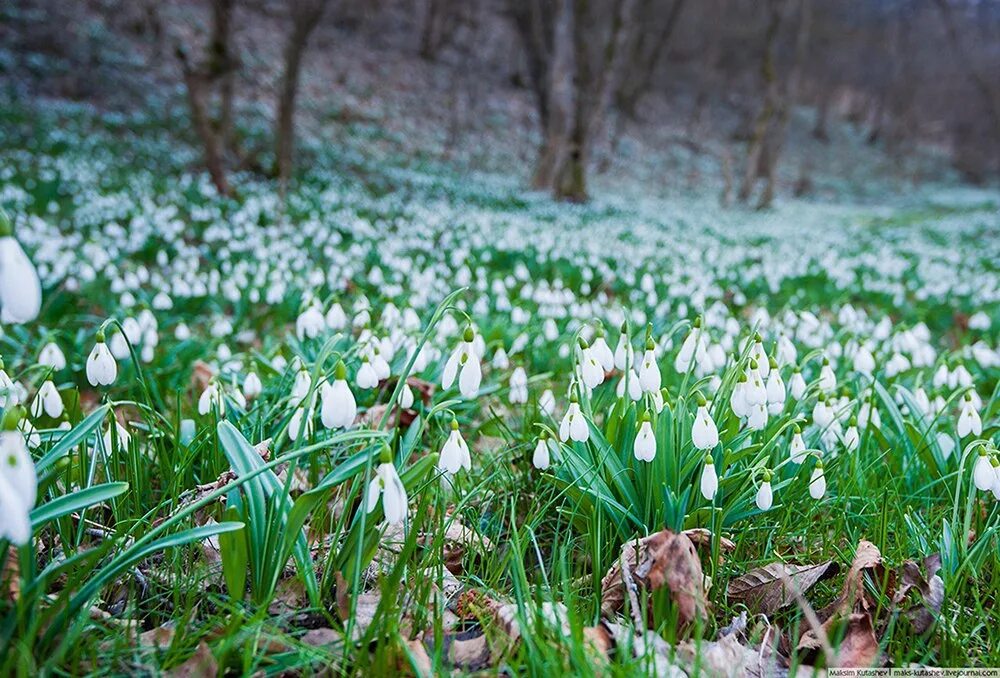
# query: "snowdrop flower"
{"type": "Point", "coordinates": [797, 385]}
{"type": "Point", "coordinates": [338, 408]}
{"type": "Point", "coordinates": [455, 453]}
{"type": "Point", "coordinates": [547, 403]}
{"type": "Point", "coordinates": [631, 379]}
{"type": "Point", "coordinates": [757, 418]}
{"type": "Point", "coordinates": [335, 318]}
{"type": "Point", "coordinates": [704, 433]}
{"type": "Point", "coordinates": [500, 359]}
{"type": "Point", "coordinates": [590, 370]}
{"type": "Point", "coordinates": [121, 434]}
{"type": "Point", "coordinates": [786, 353]}
{"type": "Point", "coordinates": [867, 412]}
{"type": "Point", "coordinates": [301, 385]}
{"type": "Point", "coordinates": [759, 355]}
{"type": "Point", "coordinates": [574, 424]}
{"type": "Point", "coordinates": [775, 390]}
{"type": "Point", "coordinates": [466, 358]}
{"type": "Point", "coordinates": [709, 479]}
{"type": "Point", "coordinates": [211, 398]}
{"type": "Point", "coordinates": [864, 361]}
{"type": "Point", "coordinates": [983, 474]}
{"type": "Point", "coordinates": [765, 495]}
{"type": "Point", "coordinates": [623, 351]}
{"type": "Point", "coordinates": [755, 393]}
{"type": "Point", "coordinates": [300, 425]}
{"type": "Point", "coordinates": [644, 446]}
{"type": "Point", "coordinates": [406, 398]}
{"type": "Point", "coordinates": [8, 392]}
{"type": "Point", "coordinates": [658, 399]}
{"type": "Point", "coordinates": [817, 482]}
{"type": "Point", "coordinates": [366, 377]}
{"type": "Point", "coordinates": [649, 371]}
{"type": "Point", "coordinates": [310, 323]}
{"type": "Point", "coordinates": [18, 482]}
{"type": "Point", "coordinates": [851, 437]}
{"type": "Point", "coordinates": [252, 386]}
{"type": "Point", "coordinates": [47, 401]}
{"type": "Point", "coordinates": [542, 457]}
{"type": "Point", "coordinates": [101, 366]}
{"type": "Point", "coordinates": [797, 449]}
{"type": "Point", "coordinates": [682, 363]}
{"type": "Point", "coordinates": [968, 419]}
{"type": "Point", "coordinates": [827, 379]}
{"type": "Point", "coordinates": [822, 414]}
{"type": "Point", "coordinates": [518, 386]}
{"type": "Point", "coordinates": [52, 356]}
{"type": "Point", "coordinates": [182, 332]}
{"type": "Point", "coordinates": [738, 400]}
{"type": "Point", "coordinates": [600, 350]}
{"type": "Point", "coordinates": [388, 484]}
{"type": "Point", "coordinates": [20, 289]}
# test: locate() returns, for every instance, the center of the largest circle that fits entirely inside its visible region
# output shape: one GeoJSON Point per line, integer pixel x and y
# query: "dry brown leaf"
{"type": "Point", "coordinates": [469, 650]}
{"type": "Point", "coordinates": [854, 597]}
{"type": "Point", "coordinates": [201, 664]}
{"type": "Point", "coordinates": [701, 536]}
{"type": "Point", "coordinates": [930, 589]}
{"type": "Point", "coordinates": [661, 559]}
{"type": "Point", "coordinates": [420, 661]}
{"type": "Point", "coordinates": [161, 637]}
{"type": "Point", "coordinates": [364, 607]}
{"type": "Point", "coordinates": [858, 649]}
{"type": "Point", "coordinates": [768, 589]}
{"type": "Point", "coordinates": [11, 576]}
{"type": "Point", "coordinates": [321, 637]}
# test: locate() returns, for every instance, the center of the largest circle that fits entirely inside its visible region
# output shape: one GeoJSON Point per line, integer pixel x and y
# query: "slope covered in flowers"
{"type": "Point", "coordinates": [577, 377]}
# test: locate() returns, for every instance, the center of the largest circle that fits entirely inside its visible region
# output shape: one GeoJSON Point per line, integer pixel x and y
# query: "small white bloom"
{"type": "Point", "coordinates": [765, 495]}
{"type": "Point", "coordinates": [388, 484]}
{"type": "Point", "coordinates": [644, 446]}
{"type": "Point", "coordinates": [20, 289]}
{"type": "Point", "coordinates": [709, 480]}
{"type": "Point", "coordinates": [102, 370]}
{"type": "Point", "coordinates": [455, 452]}
{"type": "Point", "coordinates": [817, 482]}
{"type": "Point", "coordinates": [704, 433]}
{"type": "Point", "coordinates": [52, 356]}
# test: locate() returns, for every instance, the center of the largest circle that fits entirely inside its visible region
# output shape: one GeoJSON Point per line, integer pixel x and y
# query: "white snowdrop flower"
{"type": "Point", "coordinates": [624, 356]}
{"type": "Point", "coordinates": [162, 301]}
{"type": "Point", "coordinates": [252, 386]}
{"type": "Point", "coordinates": [542, 457]}
{"type": "Point", "coordinates": [822, 414]}
{"type": "Point", "coordinates": [755, 393]}
{"type": "Point", "coordinates": [704, 433]}
{"type": "Point", "coordinates": [388, 484]}
{"type": "Point", "coordinates": [797, 449]}
{"type": "Point", "coordinates": [851, 436]}
{"type": "Point", "coordinates": [979, 321]}
{"type": "Point", "coordinates": [464, 358]}
{"type": "Point", "coordinates": [765, 495]}
{"type": "Point", "coordinates": [775, 391]}
{"type": "Point", "coordinates": [658, 401]}
{"type": "Point", "coordinates": [759, 355]}
{"type": "Point", "coordinates": [52, 356]}
{"type": "Point", "coordinates": [18, 483]}
{"type": "Point", "coordinates": [996, 477]}
{"type": "Point", "coordinates": [500, 359]}
{"type": "Point", "coordinates": [983, 474]}
{"type": "Point", "coordinates": [631, 380]}
{"type": "Point", "coordinates": [649, 371]}
{"type": "Point", "coordinates": [709, 479]}
{"type": "Point", "coordinates": [786, 353]}
{"type": "Point", "coordinates": [968, 419]}
{"type": "Point", "coordinates": [757, 418]}
{"type": "Point", "coordinates": [301, 385]}
{"type": "Point", "coordinates": [47, 401]}
{"type": "Point", "coordinates": [941, 376]}
{"type": "Point", "coordinates": [644, 446]}
{"type": "Point", "coordinates": [864, 361]}
{"type": "Point", "coordinates": [682, 363]}
{"type": "Point", "coordinates": [118, 345]}
{"type": "Point", "coordinates": [960, 377]}
{"type": "Point", "coordinates": [547, 403]}
{"type": "Point", "coordinates": [20, 289]}
{"type": "Point", "coordinates": [182, 332]}
{"type": "Point", "coordinates": [211, 398]}
{"type": "Point", "coordinates": [102, 370]}
{"type": "Point", "coordinates": [574, 424]}
{"type": "Point", "coordinates": [946, 443]}
{"type": "Point", "coordinates": [797, 385]}
{"type": "Point", "coordinates": [338, 409]}
{"type": "Point", "coordinates": [121, 434]}
{"type": "Point", "coordinates": [366, 377]}
{"type": "Point", "coordinates": [455, 453]}
{"type": "Point", "coordinates": [600, 350]}
{"type": "Point", "coordinates": [310, 323]}
{"type": "Point", "coordinates": [590, 370]}
{"type": "Point", "coordinates": [827, 379]}
{"type": "Point", "coordinates": [519, 386]}
{"type": "Point", "coordinates": [406, 398]}
{"type": "Point", "coordinates": [335, 318]}
{"type": "Point", "coordinates": [300, 425]}
{"type": "Point", "coordinates": [817, 482]}
{"type": "Point", "coordinates": [738, 400]}
{"type": "Point", "coordinates": [9, 394]}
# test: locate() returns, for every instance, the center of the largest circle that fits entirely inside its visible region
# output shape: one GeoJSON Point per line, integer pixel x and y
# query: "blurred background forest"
{"type": "Point", "coordinates": [748, 99]}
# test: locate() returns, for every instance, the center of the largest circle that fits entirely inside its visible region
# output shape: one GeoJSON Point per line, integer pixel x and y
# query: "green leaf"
{"type": "Point", "coordinates": [75, 501]}
{"type": "Point", "coordinates": [73, 437]}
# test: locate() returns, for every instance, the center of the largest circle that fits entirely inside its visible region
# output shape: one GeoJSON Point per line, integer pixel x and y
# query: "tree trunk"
{"type": "Point", "coordinates": [305, 15]}
{"type": "Point", "coordinates": [646, 53]}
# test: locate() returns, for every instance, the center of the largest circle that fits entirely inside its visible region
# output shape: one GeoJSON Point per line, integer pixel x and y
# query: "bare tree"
{"type": "Point", "coordinates": [646, 46]}
{"type": "Point", "coordinates": [305, 15]}
{"type": "Point", "coordinates": [214, 72]}
{"type": "Point", "coordinates": [575, 53]}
